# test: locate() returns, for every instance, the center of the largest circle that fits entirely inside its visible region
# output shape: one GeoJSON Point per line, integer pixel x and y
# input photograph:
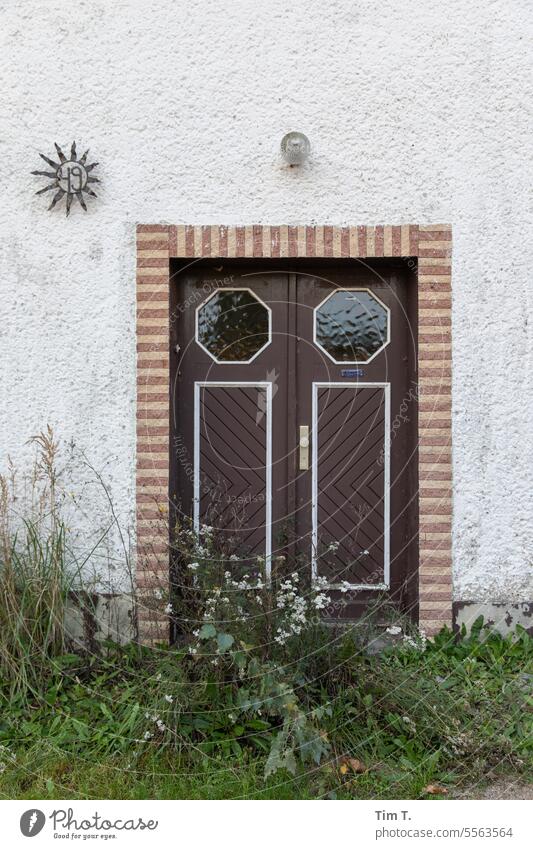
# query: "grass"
{"type": "Point", "coordinates": [320, 713]}
{"type": "Point", "coordinates": [160, 777]}
{"type": "Point", "coordinates": [455, 715]}
{"type": "Point", "coordinates": [34, 581]}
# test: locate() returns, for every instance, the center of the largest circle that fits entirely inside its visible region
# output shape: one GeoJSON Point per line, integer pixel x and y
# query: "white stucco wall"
{"type": "Point", "coordinates": [416, 113]}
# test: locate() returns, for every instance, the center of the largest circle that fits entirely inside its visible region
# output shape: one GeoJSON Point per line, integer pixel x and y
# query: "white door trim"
{"type": "Point", "coordinates": [385, 585]}
{"type": "Point", "coordinates": [267, 385]}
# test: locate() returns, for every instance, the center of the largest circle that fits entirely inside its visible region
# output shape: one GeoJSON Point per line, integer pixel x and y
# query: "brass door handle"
{"type": "Point", "coordinates": [304, 447]}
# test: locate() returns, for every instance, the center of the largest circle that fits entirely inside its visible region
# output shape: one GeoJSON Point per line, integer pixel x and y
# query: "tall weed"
{"type": "Point", "coordinates": [34, 582]}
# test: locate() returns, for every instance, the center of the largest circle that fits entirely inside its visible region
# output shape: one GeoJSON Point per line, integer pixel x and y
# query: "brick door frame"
{"type": "Point", "coordinates": [430, 248]}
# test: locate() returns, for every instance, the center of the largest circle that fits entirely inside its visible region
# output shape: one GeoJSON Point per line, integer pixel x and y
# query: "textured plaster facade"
{"type": "Point", "coordinates": [415, 114]}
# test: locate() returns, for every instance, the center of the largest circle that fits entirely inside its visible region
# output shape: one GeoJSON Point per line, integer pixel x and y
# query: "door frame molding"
{"type": "Point", "coordinates": [385, 385]}
{"type": "Point", "coordinates": [427, 251]}
{"type": "Point", "coordinates": [267, 386]}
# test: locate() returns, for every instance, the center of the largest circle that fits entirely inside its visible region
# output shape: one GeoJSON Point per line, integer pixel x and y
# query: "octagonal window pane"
{"type": "Point", "coordinates": [352, 326]}
{"type": "Point", "coordinates": [233, 325]}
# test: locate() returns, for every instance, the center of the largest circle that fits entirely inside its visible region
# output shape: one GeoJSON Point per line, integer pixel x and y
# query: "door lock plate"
{"type": "Point", "coordinates": [304, 447]}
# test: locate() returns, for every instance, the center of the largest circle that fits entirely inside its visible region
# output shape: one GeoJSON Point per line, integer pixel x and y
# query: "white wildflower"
{"type": "Point", "coordinates": [321, 601]}
{"type": "Point", "coordinates": [418, 642]}
{"type": "Point", "coordinates": [409, 722]}
{"type": "Point", "coordinates": [320, 583]}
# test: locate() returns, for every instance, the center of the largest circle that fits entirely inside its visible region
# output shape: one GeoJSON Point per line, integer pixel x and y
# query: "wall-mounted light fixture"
{"type": "Point", "coordinates": [295, 148]}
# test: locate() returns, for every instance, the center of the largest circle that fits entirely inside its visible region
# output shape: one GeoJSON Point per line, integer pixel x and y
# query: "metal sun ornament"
{"type": "Point", "coordinates": [71, 178]}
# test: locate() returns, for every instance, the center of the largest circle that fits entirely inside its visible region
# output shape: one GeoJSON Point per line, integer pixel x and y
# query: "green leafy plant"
{"type": "Point", "coordinates": [256, 696]}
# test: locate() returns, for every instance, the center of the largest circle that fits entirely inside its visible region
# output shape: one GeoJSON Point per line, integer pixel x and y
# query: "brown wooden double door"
{"type": "Point", "coordinates": [294, 416]}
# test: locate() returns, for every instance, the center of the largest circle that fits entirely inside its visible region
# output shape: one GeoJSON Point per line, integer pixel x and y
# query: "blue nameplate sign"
{"type": "Point", "coordinates": [352, 372]}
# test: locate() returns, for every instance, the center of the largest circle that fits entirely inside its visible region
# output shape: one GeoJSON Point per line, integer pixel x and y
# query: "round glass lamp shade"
{"type": "Point", "coordinates": [295, 148]}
